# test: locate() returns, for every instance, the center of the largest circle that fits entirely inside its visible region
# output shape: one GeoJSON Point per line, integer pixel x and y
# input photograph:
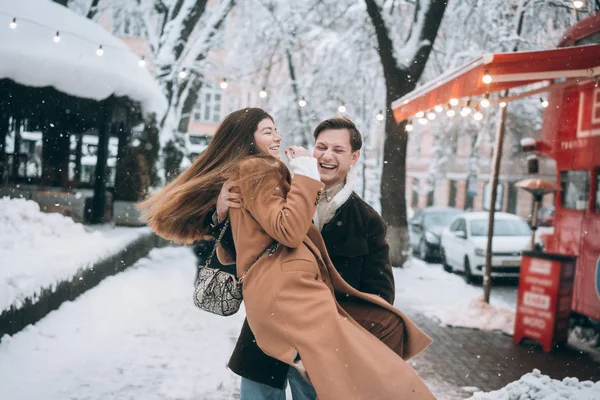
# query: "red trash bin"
{"type": "Point", "coordinates": [544, 299]}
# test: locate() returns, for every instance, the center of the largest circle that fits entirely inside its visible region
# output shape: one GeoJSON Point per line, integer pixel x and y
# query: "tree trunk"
{"type": "Point", "coordinates": [393, 198]}
{"type": "Point", "coordinates": [93, 10]}
{"type": "Point", "coordinates": [197, 80]}
{"type": "Point", "coordinates": [400, 81]}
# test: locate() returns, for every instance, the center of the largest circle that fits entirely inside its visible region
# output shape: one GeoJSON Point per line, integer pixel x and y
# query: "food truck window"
{"type": "Point", "coordinates": [575, 189]}
{"type": "Point", "coordinates": [597, 190]}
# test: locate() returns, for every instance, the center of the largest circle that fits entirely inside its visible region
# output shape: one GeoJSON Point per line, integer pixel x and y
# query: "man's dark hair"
{"type": "Point", "coordinates": [341, 123]}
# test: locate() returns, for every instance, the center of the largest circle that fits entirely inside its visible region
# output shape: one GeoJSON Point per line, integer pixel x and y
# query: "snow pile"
{"type": "Point", "coordinates": [446, 297]}
{"type": "Point", "coordinates": [137, 335]}
{"type": "Point", "coordinates": [31, 57]}
{"type": "Point", "coordinates": [478, 314]}
{"type": "Point", "coordinates": [38, 250]}
{"type": "Point", "coordinates": [535, 386]}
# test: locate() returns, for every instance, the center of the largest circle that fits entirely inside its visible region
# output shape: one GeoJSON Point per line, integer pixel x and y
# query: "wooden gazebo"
{"type": "Point", "coordinates": [64, 84]}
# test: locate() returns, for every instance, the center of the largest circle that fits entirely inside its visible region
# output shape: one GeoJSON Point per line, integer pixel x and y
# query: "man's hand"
{"type": "Point", "coordinates": [296, 151]}
{"type": "Point", "coordinates": [229, 197]}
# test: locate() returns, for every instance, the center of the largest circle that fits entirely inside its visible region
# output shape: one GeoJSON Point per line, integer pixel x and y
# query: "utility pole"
{"type": "Point", "coordinates": [487, 278]}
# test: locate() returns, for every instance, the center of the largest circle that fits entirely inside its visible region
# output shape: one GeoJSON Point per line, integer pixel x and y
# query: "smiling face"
{"type": "Point", "coordinates": [334, 155]}
{"type": "Point", "coordinates": [266, 138]}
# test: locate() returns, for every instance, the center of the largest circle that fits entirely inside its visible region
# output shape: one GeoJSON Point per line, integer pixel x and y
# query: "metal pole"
{"type": "Point", "coordinates": [487, 280]}
{"type": "Point", "coordinates": [534, 220]}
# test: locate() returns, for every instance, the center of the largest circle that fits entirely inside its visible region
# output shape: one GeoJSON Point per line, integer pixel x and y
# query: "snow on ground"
{"type": "Point", "coordinates": [537, 386]}
{"type": "Point", "coordinates": [38, 250]}
{"type": "Point", "coordinates": [137, 335]}
{"type": "Point", "coordinates": [437, 294]}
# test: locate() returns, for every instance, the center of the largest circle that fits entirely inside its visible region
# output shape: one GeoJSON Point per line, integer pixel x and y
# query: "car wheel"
{"type": "Point", "coordinates": [468, 275]}
{"type": "Point", "coordinates": [445, 264]}
{"type": "Point", "coordinates": [424, 251]}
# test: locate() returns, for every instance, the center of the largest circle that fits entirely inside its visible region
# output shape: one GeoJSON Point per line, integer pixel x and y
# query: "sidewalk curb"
{"type": "Point", "coordinates": [15, 319]}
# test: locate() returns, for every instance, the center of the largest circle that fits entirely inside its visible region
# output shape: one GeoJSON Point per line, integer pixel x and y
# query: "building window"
{"type": "Point", "coordinates": [575, 189]}
{"type": "Point", "coordinates": [415, 192]}
{"type": "Point", "coordinates": [452, 194]}
{"type": "Point", "coordinates": [487, 196]}
{"type": "Point", "coordinates": [208, 110]}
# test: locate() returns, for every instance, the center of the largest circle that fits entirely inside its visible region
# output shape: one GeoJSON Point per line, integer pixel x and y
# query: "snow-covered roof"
{"type": "Point", "coordinates": [31, 57]}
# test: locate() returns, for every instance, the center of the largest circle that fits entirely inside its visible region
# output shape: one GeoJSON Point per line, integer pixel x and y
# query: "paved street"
{"type": "Point", "coordinates": [462, 360]}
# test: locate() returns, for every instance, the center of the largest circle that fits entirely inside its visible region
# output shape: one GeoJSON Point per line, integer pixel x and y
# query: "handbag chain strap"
{"type": "Point", "coordinates": [269, 250]}
{"type": "Point", "coordinates": [214, 250]}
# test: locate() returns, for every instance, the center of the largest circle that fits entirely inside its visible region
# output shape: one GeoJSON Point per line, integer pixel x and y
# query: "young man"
{"type": "Point", "coordinates": [355, 238]}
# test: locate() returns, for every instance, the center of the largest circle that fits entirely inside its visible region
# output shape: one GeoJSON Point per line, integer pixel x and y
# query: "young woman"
{"type": "Point", "coordinates": [289, 292]}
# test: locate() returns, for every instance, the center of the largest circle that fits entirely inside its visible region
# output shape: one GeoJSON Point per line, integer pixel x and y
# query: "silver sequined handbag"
{"type": "Point", "coordinates": [217, 291]}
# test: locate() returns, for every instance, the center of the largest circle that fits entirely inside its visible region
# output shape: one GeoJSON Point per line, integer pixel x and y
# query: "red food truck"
{"type": "Point", "coordinates": [571, 136]}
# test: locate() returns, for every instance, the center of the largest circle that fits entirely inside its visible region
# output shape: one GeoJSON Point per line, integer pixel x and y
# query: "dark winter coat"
{"type": "Point", "coordinates": [355, 240]}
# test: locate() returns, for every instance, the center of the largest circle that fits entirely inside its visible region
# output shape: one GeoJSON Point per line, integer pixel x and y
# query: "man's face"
{"type": "Point", "coordinates": [334, 155]}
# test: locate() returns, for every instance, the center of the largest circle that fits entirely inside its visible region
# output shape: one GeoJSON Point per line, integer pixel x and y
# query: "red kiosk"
{"type": "Point", "coordinates": [544, 300]}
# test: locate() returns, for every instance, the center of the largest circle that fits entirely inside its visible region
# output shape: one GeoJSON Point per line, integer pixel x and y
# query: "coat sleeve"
{"type": "Point", "coordinates": [224, 257]}
{"type": "Point", "coordinates": [377, 276]}
{"type": "Point", "coordinates": [285, 218]}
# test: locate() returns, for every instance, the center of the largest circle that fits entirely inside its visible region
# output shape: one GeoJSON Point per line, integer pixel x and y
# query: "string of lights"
{"type": "Point", "coordinates": [57, 36]}
{"type": "Point", "coordinates": [423, 117]}
{"type": "Point", "coordinates": [60, 35]}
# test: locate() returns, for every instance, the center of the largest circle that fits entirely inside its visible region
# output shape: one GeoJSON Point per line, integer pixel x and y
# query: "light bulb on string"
{"type": "Point", "coordinates": [302, 102]}
{"type": "Point", "coordinates": [485, 102]}
{"type": "Point", "coordinates": [578, 4]}
{"type": "Point", "coordinates": [224, 84]}
{"type": "Point", "coordinates": [438, 108]}
{"type": "Point", "coordinates": [477, 116]}
{"type": "Point", "coordinates": [431, 116]}
{"type": "Point", "coordinates": [502, 104]}
{"type": "Point", "coordinates": [263, 93]}
{"type": "Point", "coordinates": [544, 102]}
{"type": "Point", "coordinates": [420, 114]}
{"type": "Point", "coordinates": [183, 74]}
{"type": "Point", "coordinates": [423, 121]}
{"type": "Point", "coordinates": [466, 110]}
{"type": "Point", "coordinates": [342, 108]}
{"type": "Point", "coordinates": [409, 126]}
{"type": "Point", "coordinates": [453, 102]}
{"type": "Point", "coordinates": [487, 78]}
{"type": "Point", "coordinates": [100, 51]}
{"type": "Point", "coordinates": [13, 24]}
{"type": "Point", "coordinates": [142, 62]}
{"type": "Point", "coordinates": [380, 117]}
{"type": "Point", "coordinates": [56, 37]}
{"type": "Point", "coordinates": [450, 112]}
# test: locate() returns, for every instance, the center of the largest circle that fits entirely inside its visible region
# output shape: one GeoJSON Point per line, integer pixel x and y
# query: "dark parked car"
{"type": "Point", "coordinates": [425, 229]}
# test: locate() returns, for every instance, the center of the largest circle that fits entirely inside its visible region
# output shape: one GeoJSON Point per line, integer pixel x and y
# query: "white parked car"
{"type": "Point", "coordinates": [464, 243]}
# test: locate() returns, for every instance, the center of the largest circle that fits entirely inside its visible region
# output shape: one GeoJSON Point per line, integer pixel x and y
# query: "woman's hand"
{"type": "Point", "coordinates": [296, 151]}
{"type": "Point", "coordinates": [228, 199]}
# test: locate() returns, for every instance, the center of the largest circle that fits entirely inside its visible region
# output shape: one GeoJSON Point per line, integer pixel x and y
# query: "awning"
{"type": "Point", "coordinates": [506, 70]}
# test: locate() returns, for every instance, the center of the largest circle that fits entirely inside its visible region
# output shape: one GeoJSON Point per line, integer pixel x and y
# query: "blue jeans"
{"type": "Point", "coordinates": [301, 390]}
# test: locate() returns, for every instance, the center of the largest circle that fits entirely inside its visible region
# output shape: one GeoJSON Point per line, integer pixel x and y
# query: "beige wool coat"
{"type": "Point", "coordinates": [289, 297]}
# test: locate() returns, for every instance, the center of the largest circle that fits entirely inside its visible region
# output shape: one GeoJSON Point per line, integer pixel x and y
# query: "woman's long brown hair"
{"type": "Point", "coordinates": [179, 211]}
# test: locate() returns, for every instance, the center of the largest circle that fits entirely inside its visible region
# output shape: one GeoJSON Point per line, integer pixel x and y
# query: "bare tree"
{"type": "Point", "coordinates": [401, 76]}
